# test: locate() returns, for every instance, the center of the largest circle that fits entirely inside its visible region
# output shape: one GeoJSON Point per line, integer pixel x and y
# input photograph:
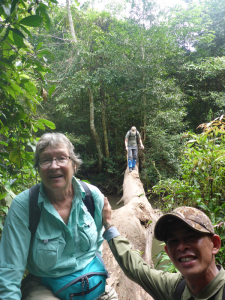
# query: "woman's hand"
{"type": "Point", "coordinates": [106, 213]}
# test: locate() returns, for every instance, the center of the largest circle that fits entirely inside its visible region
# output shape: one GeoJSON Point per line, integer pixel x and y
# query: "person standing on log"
{"type": "Point", "coordinates": [131, 146]}
{"type": "Point", "coordinates": [191, 245]}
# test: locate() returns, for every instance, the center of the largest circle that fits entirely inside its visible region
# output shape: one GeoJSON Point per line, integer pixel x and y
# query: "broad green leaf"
{"type": "Point", "coordinates": [38, 11]}
{"type": "Point", "coordinates": [14, 157]}
{"type": "Point", "coordinates": [30, 88]}
{"type": "Point", "coordinates": [2, 31]}
{"type": "Point", "coordinates": [9, 198]}
{"type": "Point", "coordinates": [32, 21]}
{"type": "Point", "coordinates": [44, 14]}
{"type": "Point", "coordinates": [39, 46]}
{"type": "Point", "coordinates": [39, 67]}
{"type": "Point", "coordinates": [40, 125]}
{"type": "Point", "coordinates": [47, 123]}
{"type": "Point", "coordinates": [25, 30]}
{"type": "Point", "coordinates": [6, 35]}
{"type": "Point", "coordinates": [3, 143]}
{"type": "Point", "coordinates": [17, 77]}
{"type": "Point", "coordinates": [7, 9]}
{"type": "Point", "coordinates": [16, 87]}
{"type": "Point", "coordinates": [35, 127]}
{"type": "Point", "coordinates": [20, 116]}
{"type": "Point", "coordinates": [47, 22]}
{"type": "Point", "coordinates": [14, 2]}
{"type": "Point", "coordinates": [24, 76]}
{"type": "Point", "coordinates": [11, 92]}
{"type": "Point", "coordinates": [51, 90]}
{"type": "Point", "coordinates": [30, 97]}
{"type": "Point", "coordinates": [17, 31]}
{"type": "Point", "coordinates": [18, 40]}
{"type": "Point", "coordinates": [3, 195]}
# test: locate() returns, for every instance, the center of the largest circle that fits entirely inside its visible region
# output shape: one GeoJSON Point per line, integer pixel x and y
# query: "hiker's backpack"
{"type": "Point", "coordinates": [180, 289]}
{"type": "Point", "coordinates": [136, 135]}
{"type": "Point", "coordinates": [35, 211]}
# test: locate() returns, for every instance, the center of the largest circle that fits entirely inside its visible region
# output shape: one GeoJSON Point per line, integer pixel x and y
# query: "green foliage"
{"type": "Point", "coordinates": [156, 70]}
{"type": "Point", "coordinates": [164, 263]}
{"type": "Point", "coordinates": [115, 56]}
{"type": "Point", "coordinates": [204, 88]}
{"type": "Point", "coordinates": [21, 75]}
{"type": "Point", "coordinates": [202, 184]}
{"type": "Point", "coordinates": [139, 252]}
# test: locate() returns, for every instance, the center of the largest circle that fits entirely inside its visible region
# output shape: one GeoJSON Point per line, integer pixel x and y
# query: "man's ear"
{"type": "Point", "coordinates": [166, 249]}
{"type": "Point", "coordinates": [216, 244]}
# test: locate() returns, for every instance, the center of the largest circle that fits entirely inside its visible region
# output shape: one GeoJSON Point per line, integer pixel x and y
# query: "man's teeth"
{"type": "Point", "coordinates": [186, 259]}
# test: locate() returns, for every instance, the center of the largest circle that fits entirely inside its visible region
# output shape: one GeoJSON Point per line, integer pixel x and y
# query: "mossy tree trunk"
{"type": "Point", "coordinates": [93, 130]}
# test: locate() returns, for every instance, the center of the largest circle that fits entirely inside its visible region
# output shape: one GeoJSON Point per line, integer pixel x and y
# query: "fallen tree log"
{"type": "Point", "coordinates": [135, 221]}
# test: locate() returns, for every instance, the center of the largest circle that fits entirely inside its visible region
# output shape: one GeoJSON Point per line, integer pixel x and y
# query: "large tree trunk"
{"type": "Point", "coordinates": [93, 130]}
{"type": "Point", "coordinates": [71, 21]}
{"type": "Point", "coordinates": [135, 221]}
{"type": "Point", "coordinates": [144, 108]}
{"type": "Point", "coordinates": [106, 145]}
{"type": "Point", "coordinates": [143, 130]}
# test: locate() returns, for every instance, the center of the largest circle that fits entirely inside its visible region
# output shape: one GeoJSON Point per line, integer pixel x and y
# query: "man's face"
{"type": "Point", "coordinates": [192, 252]}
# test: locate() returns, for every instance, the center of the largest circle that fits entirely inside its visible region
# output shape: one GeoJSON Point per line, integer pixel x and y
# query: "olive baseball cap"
{"type": "Point", "coordinates": [193, 217]}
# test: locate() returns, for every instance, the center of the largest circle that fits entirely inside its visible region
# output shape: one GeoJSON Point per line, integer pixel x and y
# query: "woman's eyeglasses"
{"type": "Point", "coordinates": [61, 161]}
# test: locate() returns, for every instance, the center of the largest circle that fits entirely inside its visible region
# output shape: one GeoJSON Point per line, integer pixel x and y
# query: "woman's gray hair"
{"type": "Point", "coordinates": [53, 140]}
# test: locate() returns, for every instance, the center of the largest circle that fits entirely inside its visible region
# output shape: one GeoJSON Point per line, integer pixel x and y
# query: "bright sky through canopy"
{"type": "Point", "coordinates": [163, 3]}
{"type": "Point", "coordinates": [169, 2]}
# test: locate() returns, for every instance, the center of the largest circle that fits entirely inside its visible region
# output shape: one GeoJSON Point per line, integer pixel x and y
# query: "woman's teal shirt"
{"type": "Point", "coordinates": [57, 249]}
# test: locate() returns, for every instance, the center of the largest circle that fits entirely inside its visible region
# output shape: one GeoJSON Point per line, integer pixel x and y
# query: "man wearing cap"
{"type": "Point", "coordinates": [131, 146]}
{"type": "Point", "coordinates": [191, 245]}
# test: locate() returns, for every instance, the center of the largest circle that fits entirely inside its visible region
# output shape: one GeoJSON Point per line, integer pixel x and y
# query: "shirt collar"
{"type": "Point", "coordinates": [211, 289]}
{"type": "Point", "coordinates": [76, 185]}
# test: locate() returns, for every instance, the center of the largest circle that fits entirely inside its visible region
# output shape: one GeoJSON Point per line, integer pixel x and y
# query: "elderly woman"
{"type": "Point", "coordinates": [67, 238]}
